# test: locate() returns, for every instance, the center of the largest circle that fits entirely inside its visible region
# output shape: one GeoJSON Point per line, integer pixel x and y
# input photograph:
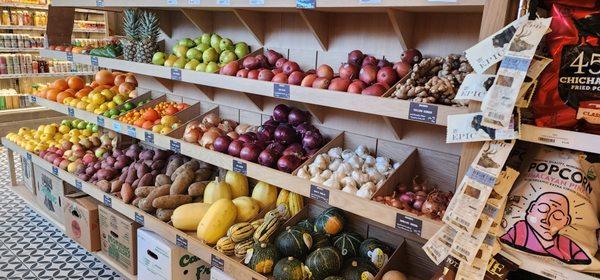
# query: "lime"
{"type": "Point", "coordinates": [89, 126]}
{"type": "Point", "coordinates": [113, 112]}
{"type": "Point", "coordinates": [95, 128]}
{"type": "Point", "coordinates": [81, 125]}
{"type": "Point", "coordinates": [128, 106]}
{"type": "Point", "coordinates": [66, 122]}
{"type": "Point", "coordinates": [106, 114]}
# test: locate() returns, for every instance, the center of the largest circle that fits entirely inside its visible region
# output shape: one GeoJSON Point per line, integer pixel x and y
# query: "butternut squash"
{"type": "Point", "coordinates": [217, 220]}
{"type": "Point", "coordinates": [216, 190]}
{"type": "Point", "coordinates": [188, 216]}
{"type": "Point", "coordinates": [238, 183]}
{"type": "Point", "coordinates": [248, 208]}
{"type": "Point", "coordinates": [265, 194]}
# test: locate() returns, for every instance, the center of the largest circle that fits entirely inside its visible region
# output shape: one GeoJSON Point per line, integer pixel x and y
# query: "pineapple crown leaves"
{"type": "Point", "coordinates": [131, 23]}
{"type": "Point", "coordinates": [149, 28]}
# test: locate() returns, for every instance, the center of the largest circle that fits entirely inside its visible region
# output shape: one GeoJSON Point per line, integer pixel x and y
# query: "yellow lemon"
{"type": "Point", "coordinates": [90, 107]}
{"type": "Point", "coordinates": [103, 107]}
{"type": "Point", "coordinates": [74, 102]}
{"type": "Point", "coordinates": [50, 129]}
{"type": "Point", "coordinates": [111, 105]}
{"type": "Point", "coordinates": [87, 132]}
{"type": "Point", "coordinates": [108, 94]}
{"type": "Point", "coordinates": [64, 129]}
{"type": "Point", "coordinates": [157, 128]}
{"type": "Point", "coordinates": [74, 139]}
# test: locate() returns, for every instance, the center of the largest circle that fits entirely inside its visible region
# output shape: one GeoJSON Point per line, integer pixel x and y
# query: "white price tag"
{"type": "Point", "coordinates": [224, 2]}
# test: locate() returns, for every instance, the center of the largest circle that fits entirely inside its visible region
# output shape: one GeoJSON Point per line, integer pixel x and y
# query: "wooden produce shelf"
{"type": "Point", "coordinates": [3, 50]}
{"type": "Point", "coordinates": [574, 140]}
{"type": "Point", "coordinates": [43, 7]}
{"type": "Point", "coordinates": [388, 107]}
{"type": "Point", "coordinates": [369, 209]}
{"type": "Point", "coordinates": [45, 75]}
{"type": "Point", "coordinates": [232, 267]}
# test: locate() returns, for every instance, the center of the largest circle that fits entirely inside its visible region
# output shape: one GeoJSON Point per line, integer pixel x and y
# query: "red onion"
{"type": "Point", "coordinates": [280, 113]}
{"type": "Point", "coordinates": [312, 152]}
{"type": "Point", "coordinates": [417, 204]}
{"type": "Point", "coordinates": [272, 122]}
{"type": "Point", "coordinates": [296, 117]}
{"type": "Point", "coordinates": [305, 127]}
{"type": "Point", "coordinates": [312, 140]}
{"type": "Point", "coordinates": [260, 144]}
{"type": "Point", "coordinates": [288, 163]}
{"type": "Point", "coordinates": [295, 150]}
{"type": "Point", "coordinates": [408, 197]}
{"type": "Point", "coordinates": [222, 143]}
{"type": "Point", "coordinates": [276, 147]}
{"type": "Point", "coordinates": [285, 134]}
{"type": "Point", "coordinates": [248, 137]}
{"type": "Point", "coordinates": [235, 147]}
{"type": "Point", "coordinates": [250, 152]}
{"type": "Point", "coordinates": [267, 158]}
{"type": "Point", "coordinates": [265, 132]}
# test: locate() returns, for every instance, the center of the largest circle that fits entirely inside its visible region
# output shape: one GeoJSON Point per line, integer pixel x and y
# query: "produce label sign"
{"type": "Point", "coordinates": [171, 2]}
{"type": "Point", "coordinates": [320, 194]}
{"type": "Point", "coordinates": [100, 121]}
{"type": "Point", "coordinates": [223, 2]}
{"type": "Point", "coordinates": [94, 60]}
{"type": "Point", "coordinates": [107, 201]}
{"type": "Point", "coordinates": [139, 218]}
{"type": "Point", "coordinates": [217, 262]}
{"type": "Point", "coordinates": [149, 137]}
{"type": "Point", "coordinates": [99, 3]}
{"type": "Point", "coordinates": [422, 112]}
{"type": "Point", "coordinates": [131, 131]}
{"type": "Point", "coordinates": [256, 2]}
{"type": "Point", "coordinates": [240, 167]}
{"type": "Point", "coordinates": [176, 74]}
{"type": "Point", "coordinates": [71, 112]}
{"type": "Point", "coordinates": [306, 4]}
{"type": "Point", "coordinates": [33, 99]}
{"type": "Point", "coordinates": [70, 56]}
{"type": "Point", "coordinates": [369, 1]}
{"type": "Point", "coordinates": [281, 91]}
{"type": "Point", "coordinates": [29, 156]}
{"type": "Point", "coordinates": [181, 242]}
{"type": "Point", "coordinates": [55, 170]}
{"type": "Point", "coordinates": [408, 223]}
{"type": "Point", "coordinates": [194, 2]}
{"type": "Point", "coordinates": [78, 185]}
{"type": "Point", "coordinates": [175, 146]}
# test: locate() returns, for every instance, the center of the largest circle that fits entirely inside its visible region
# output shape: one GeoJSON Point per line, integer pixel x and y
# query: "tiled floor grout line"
{"type": "Point", "coordinates": [17, 257]}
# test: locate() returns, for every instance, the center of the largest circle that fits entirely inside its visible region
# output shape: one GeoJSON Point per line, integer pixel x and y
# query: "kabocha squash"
{"type": "Point", "coordinates": [240, 231]}
{"type": "Point", "coordinates": [226, 246]}
{"type": "Point", "coordinates": [358, 269]}
{"type": "Point", "coordinates": [331, 221]}
{"type": "Point", "coordinates": [217, 220]}
{"type": "Point", "coordinates": [289, 269]}
{"type": "Point", "coordinates": [265, 194]}
{"type": "Point", "coordinates": [320, 240]}
{"type": "Point", "coordinates": [262, 258]}
{"type": "Point", "coordinates": [241, 248]}
{"type": "Point", "coordinates": [216, 190]}
{"type": "Point", "coordinates": [323, 262]}
{"type": "Point", "coordinates": [307, 224]}
{"type": "Point", "coordinates": [348, 243]}
{"type": "Point", "coordinates": [283, 196]}
{"type": "Point", "coordinates": [188, 216]}
{"type": "Point", "coordinates": [295, 203]}
{"type": "Point", "coordinates": [238, 183]}
{"type": "Point", "coordinates": [394, 275]}
{"type": "Point", "coordinates": [334, 278]}
{"type": "Point", "coordinates": [294, 242]}
{"type": "Point", "coordinates": [248, 208]}
{"type": "Point", "coordinates": [374, 250]}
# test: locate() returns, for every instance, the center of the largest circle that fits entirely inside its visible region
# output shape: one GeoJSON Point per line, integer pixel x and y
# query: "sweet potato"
{"type": "Point", "coordinates": [115, 185]}
{"type": "Point", "coordinates": [146, 180]}
{"type": "Point", "coordinates": [127, 193]}
{"type": "Point", "coordinates": [162, 179]}
{"type": "Point", "coordinates": [135, 183]}
{"type": "Point", "coordinates": [191, 165]}
{"type": "Point", "coordinates": [182, 181]}
{"type": "Point", "coordinates": [136, 201]}
{"type": "Point", "coordinates": [123, 174]}
{"type": "Point", "coordinates": [146, 155]}
{"type": "Point", "coordinates": [203, 174]}
{"type": "Point", "coordinates": [198, 199]}
{"type": "Point", "coordinates": [142, 169]}
{"type": "Point", "coordinates": [160, 154]}
{"type": "Point", "coordinates": [158, 165]}
{"type": "Point", "coordinates": [173, 165]}
{"type": "Point", "coordinates": [143, 204]}
{"type": "Point", "coordinates": [158, 192]}
{"type": "Point", "coordinates": [197, 188]}
{"type": "Point", "coordinates": [171, 201]}
{"type": "Point", "coordinates": [164, 214]}
{"type": "Point", "coordinates": [103, 185]}
{"type": "Point", "coordinates": [131, 176]}
{"type": "Point", "coordinates": [144, 191]}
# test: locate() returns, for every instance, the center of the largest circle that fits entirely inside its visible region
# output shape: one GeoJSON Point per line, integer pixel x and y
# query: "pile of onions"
{"type": "Point", "coordinates": [420, 198]}
{"type": "Point", "coordinates": [214, 133]}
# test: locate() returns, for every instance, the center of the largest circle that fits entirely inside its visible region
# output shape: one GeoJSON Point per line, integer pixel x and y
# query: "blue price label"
{"type": "Point", "coordinates": [256, 2]}
{"type": "Point", "coordinates": [107, 201]}
{"type": "Point", "coordinates": [33, 99]}
{"type": "Point", "coordinates": [175, 146]}
{"type": "Point", "coordinates": [171, 2]}
{"type": "Point", "coordinates": [281, 91]}
{"type": "Point", "coordinates": [181, 242]}
{"type": "Point", "coordinates": [139, 218]}
{"type": "Point", "coordinates": [55, 170]}
{"type": "Point", "coordinates": [240, 167]}
{"type": "Point", "coordinates": [131, 131]}
{"type": "Point", "coordinates": [29, 156]}
{"type": "Point", "coordinates": [149, 137]}
{"type": "Point", "coordinates": [71, 112]}
{"type": "Point", "coordinates": [100, 120]}
{"type": "Point", "coordinates": [194, 2]}
{"type": "Point", "coordinates": [99, 3]}
{"type": "Point", "coordinates": [70, 56]}
{"type": "Point", "coordinates": [217, 262]}
{"type": "Point", "coordinates": [94, 60]}
{"type": "Point", "coordinates": [78, 185]}
{"type": "Point", "coordinates": [176, 74]}
{"type": "Point", "coordinates": [306, 4]}
{"type": "Point", "coordinates": [223, 2]}
{"type": "Point", "coordinates": [117, 126]}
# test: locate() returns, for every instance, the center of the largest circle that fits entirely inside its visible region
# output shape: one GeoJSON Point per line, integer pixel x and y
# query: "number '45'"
{"type": "Point", "coordinates": [578, 63]}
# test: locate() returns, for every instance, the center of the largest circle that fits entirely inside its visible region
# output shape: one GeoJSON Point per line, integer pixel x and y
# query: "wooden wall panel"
{"type": "Point", "coordinates": [444, 33]}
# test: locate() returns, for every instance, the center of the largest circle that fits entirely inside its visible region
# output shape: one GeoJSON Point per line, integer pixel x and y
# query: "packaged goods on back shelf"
{"type": "Point", "coordinates": [13, 101]}
{"type": "Point", "coordinates": [21, 41]}
{"type": "Point", "coordinates": [84, 42]}
{"type": "Point", "coordinates": [35, 2]}
{"type": "Point", "coordinates": [84, 24]}
{"type": "Point", "coordinates": [24, 18]}
{"type": "Point", "coordinates": [27, 63]}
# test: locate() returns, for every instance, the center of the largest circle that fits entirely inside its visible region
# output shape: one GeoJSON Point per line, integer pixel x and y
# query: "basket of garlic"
{"type": "Point", "coordinates": [356, 171]}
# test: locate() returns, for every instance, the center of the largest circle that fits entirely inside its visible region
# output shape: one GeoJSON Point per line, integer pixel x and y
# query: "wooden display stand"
{"type": "Point", "coordinates": [311, 37]}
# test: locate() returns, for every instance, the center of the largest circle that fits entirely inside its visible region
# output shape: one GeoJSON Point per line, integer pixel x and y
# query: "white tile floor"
{"type": "Point", "coordinates": [32, 248]}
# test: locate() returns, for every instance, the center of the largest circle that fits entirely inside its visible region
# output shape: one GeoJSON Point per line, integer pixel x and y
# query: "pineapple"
{"type": "Point", "coordinates": [149, 31]}
{"type": "Point", "coordinates": [131, 30]}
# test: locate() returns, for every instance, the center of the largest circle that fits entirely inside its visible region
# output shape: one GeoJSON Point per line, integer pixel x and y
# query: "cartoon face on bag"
{"type": "Point", "coordinates": [548, 214]}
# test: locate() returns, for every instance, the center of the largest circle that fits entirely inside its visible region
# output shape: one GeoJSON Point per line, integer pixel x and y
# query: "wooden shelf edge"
{"type": "Point", "coordinates": [382, 106]}
{"type": "Point", "coordinates": [45, 75]}
{"type": "Point", "coordinates": [574, 140]}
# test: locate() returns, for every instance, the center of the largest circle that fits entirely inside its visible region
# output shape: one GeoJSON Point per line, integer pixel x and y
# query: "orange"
{"type": "Point", "coordinates": [61, 96]}
{"type": "Point", "coordinates": [114, 89]}
{"type": "Point", "coordinates": [60, 84]}
{"type": "Point", "coordinates": [42, 93]}
{"type": "Point", "coordinates": [52, 93]}
{"type": "Point", "coordinates": [147, 125]}
{"type": "Point", "coordinates": [139, 122]}
{"type": "Point", "coordinates": [104, 77]}
{"type": "Point", "coordinates": [82, 92]}
{"type": "Point", "coordinates": [76, 83]}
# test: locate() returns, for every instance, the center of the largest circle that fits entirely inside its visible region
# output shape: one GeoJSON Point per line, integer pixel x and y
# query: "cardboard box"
{"type": "Point", "coordinates": [50, 193]}
{"type": "Point", "coordinates": [81, 220]}
{"type": "Point", "coordinates": [217, 274]}
{"type": "Point", "coordinates": [27, 174]}
{"type": "Point", "coordinates": [118, 238]}
{"type": "Point", "coordinates": [161, 259]}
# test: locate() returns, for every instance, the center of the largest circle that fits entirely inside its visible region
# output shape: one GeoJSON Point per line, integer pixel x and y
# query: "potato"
{"type": "Point", "coordinates": [198, 199]}
{"type": "Point", "coordinates": [197, 188]}
{"type": "Point", "coordinates": [131, 175]}
{"type": "Point", "coordinates": [173, 165]}
{"type": "Point", "coordinates": [146, 180]}
{"type": "Point", "coordinates": [146, 155]}
{"type": "Point", "coordinates": [164, 214]}
{"type": "Point", "coordinates": [162, 179]}
{"type": "Point", "coordinates": [103, 185]}
{"type": "Point", "coordinates": [135, 183]}
{"type": "Point", "coordinates": [143, 204]}
{"type": "Point", "coordinates": [203, 174]}
{"type": "Point", "coordinates": [171, 201]}
{"type": "Point", "coordinates": [127, 193]}
{"type": "Point", "coordinates": [192, 165]}
{"type": "Point", "coordinates": [115, 185]}
{"type": "Point", "coordinates": [136, 201]}
{"type": "Point", "coordinates": [183, 180]}
{"type": "Point", "coordinates": [158, 192]}
{"type": "Point", "coordinates": [144, 191]}
{"type": "Point", "coordinates": [160, 155]}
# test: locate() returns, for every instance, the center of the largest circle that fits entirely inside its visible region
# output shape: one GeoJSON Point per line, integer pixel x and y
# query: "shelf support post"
{"type": "Point", "coordinates": [403, 24]}
{"type": "Point", "coordinates": [253, 21]}
{"type": "Point", "coordinates": [208, 92]}
{"type": "Point", "coordinates": [316, 111]}
{"type": "Point", "coordinates": [317, 24]}
{"type": "Point", "coordinates": [395, 125]}
{"type": "Point", "coordinates": [201, 19]}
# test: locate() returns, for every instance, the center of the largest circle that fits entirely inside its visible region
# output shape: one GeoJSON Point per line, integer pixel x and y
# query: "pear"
{"type": "Point", "coordinates": [158, 58]}
{"type": "Point", "coordinates": [226, 57]}
{"type": "Point", "coordinates": [187, 42]}
{"type": "Point", "coordinates": [215, 40]}
{"type": "Point", "coordinates": [180, 50]}
{"type": "Point", "coordinates": [170, 61]}
{"type": "Point", "coordinates": [210, 55]}
{"type": "Point", "coordinates": [241, 49]}
{"type": "Point", "coordinates": [202, 47]}
{"type": "Point", "coordinates": [180, 63]}
{"type": "Point", "coordinates": [201, 67]}
{"type": "Point", "coordinates": [205, 38]}
{"type": "Point", "coordinates": [212, 67]}
{"type": "Point", "coordinates": [192, 64]}
{"type": "Point", "coordinates": [193, 53]}
{"type": "Point", "coordinates": [225, 44]}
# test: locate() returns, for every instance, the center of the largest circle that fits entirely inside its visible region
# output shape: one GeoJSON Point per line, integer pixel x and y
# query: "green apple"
{"type": "Point", "coordinates": [193, 53]}
{"type": "Point", "coordinates": [210, 55]}
{"type": "Point", "coordinates": [212, 67]}
{"type": "Point", "coordinates": [158, 58]}
{"type": "Point", "coordinates": [198, 40]}
{"type": "Point", "coordinates": [180, 63]}
{"type": "Point", "coordinates": [226, 57]}
{"type": "Point", "coordinates": [225, 43]}
{"type": "Point", "coordinates": [241, 49]}
{"type": "Point", "coordinates": [201, 67]}
{"type": "Point", "coordinates": [187, 42]}
{"type": "Point", "coordinates": [180, 50]}
{"type": "Point", "coordinates": [191, 65]}
{"type": "Point", "coordinates": [202, 47]}
{"type": "Point", "coordinates": [215, 40]}
{"type": "Point", "coordinates": [205, 38]}
{"type": "Point", "coordinates": [170, 61]}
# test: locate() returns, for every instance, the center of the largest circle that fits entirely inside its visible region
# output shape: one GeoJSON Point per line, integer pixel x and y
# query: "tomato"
{"type": "Point", "coordinates": [171, 110]}
{"type": "Point", "coordinates": [151, 115]}
{"type": "Point", "coordinates": [182, 106]}
{"type": "Point", "coordinates": [139, 122]}
{"type": "Point", "coordinates": [147, 125]}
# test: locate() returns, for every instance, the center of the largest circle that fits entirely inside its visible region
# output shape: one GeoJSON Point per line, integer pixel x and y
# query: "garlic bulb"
{"type": "Point", "coordinates": [314, 169]}
{"type": "Point", "coordinates": [382, 166]}
{"type": "Point", "coordinates": [345, 167]}
{"type": "Point", "coordinates": [317, 179]}
{"type": "Point", "coordinates": [369, 160]}
{"type": "Point", "coordinates": [322, 161]}
{"type": "Point", "coordinates": [369, 185]}
{"type": "Point", "coordinates": [355, 162]}
{"type": "Point", "coordinates": [374, 175]}
{"type": "Point", "coordinates": [335, 164]}
{"type": "Point", "coordinates": [335, 152]}
{"type": "Point", "coordinates": [362, 151]}
{"type": "Point", "coordinates": [346, 154]}
{"type": "Point", "coordinates": [338, 176]}
{"type": "Point", "coordinates": [326, 174]}
{"type": "Point", "coordinates": [332, 183]}
{"type": "Point", "coordinates": [365, 192]}
{"type": "Point", "coordinates": [350, 189]}
{"type": "Point", "coordinates": [303, 173]}
{"type": "Point", "coordinates": [348, 181]}
{"type": "Point", "coordinates": [360, 177]}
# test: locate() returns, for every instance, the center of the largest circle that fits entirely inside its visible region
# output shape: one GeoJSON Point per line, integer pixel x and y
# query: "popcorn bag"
{"type": "Point", "coordinates": [552, 209]}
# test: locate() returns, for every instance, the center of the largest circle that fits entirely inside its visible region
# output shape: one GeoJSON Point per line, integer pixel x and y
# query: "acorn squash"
{"type": "Point", "coordinates": [331, 221]}
{"type": "Point", "coordinates": [323, 262]}
{"type": "Point", "coordinates": [263, 257]}
{"type": "Point", "coordinates": [289, 269]}
{"type": "Point", "coordinates": [294, 242]}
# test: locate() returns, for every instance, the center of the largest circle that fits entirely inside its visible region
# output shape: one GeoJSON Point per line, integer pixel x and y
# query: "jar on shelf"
{"type": "Point", "coordinates": [20, 18]}
{"type": "Point", "coordinates": [5, 17]}
{"type": "Point", "coordinates": [27, 18]}
{"type": "Point", "coordinates": [14, 20]}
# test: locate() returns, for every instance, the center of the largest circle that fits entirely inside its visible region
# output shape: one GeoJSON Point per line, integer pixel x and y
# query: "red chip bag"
{"type": "Point", "coordinates": [574, 74]}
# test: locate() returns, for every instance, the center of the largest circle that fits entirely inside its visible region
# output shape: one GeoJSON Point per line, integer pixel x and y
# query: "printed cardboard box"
{"type": "Point", "coordinates": [161, 259]}
{"type": "Point", "coordinates": [27, 174]}
{"type": "Point", "coordinates": [118, 238]}
{"type": "Point", "coordinates": [217, 274]}
{"type": "Point", "coordinates": [50, 193]}
{"type": "Point", "coordinates": [81, 220]}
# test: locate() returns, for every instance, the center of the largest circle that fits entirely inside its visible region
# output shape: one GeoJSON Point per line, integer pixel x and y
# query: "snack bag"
{"type": "Point", "coordinates": [552, 209]}
{"type": "Point", "coordinates": [574, 74]}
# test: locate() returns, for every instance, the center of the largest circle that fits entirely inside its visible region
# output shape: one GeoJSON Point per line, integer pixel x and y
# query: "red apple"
{"type": "Point", "coordinates": [370, 60]}
{"type": "Point", "coordinates": [339, 84]}
{"type": "Point", "coordinates": [348, 71]}
{"type": "Point", "coordinates": [368, 74]}
{"type": "Point", "coordinates": [265, 75]}
{"type": "Point", "coordinates": [262, 61]}
{"type": "Point", "coordinates": [411, 56]}
{"type": "Point", "coordinates": [356, 57]}
{"type": "Point", "coordinates": [387, 75]}
{"type": "Point", "coordinates": [295, 78]}
{"type": "Point", "coordinates": [325, 71]}
{"type": "Point", "coordinates": [321, 83]}
{"type": "Point", "coordinates": [253, 74]}
{"type": "Point", "coordinates": [272, 56]}
{"type": "Point", "coordinates": [279, 63]}
{"type": "Point", "coordinates": [356, 86]}
{"type": "Point", "coordinates": [308, 80]}
{"type": "Point", "coordinates": [383, 63]}
{"type": "Point", "coordinates": [290, 67]}
{"type": "Point", "coordinates": [250, 62]}
{"type": "Point", "coordinates": [281, 78]}
{"type": "Point", "coordinates": [402, 68]}
{"type": "Point", "coordinates": [375, 90]}
{"type": "Point", "coordinates": [242, 73]}
{"type": "Point", "coordinates": [230, 69]}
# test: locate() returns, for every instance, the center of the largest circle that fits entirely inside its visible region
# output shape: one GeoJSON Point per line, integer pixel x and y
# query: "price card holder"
{"type": "Point", "coordinates": [320, 194]}
{"type": "Point", "coordinates": [175, 146]}
{"type": "Point", "coordinates": [281, 91]}
{"type": "Point", "coordinates": [107, 201]}
{"type": "Point", "coordinates": [78, 185]}
{"type": "Point", "coordinates": [306, 4]}
{"type": "Point", "coordinates": [194, 2]}
{"type": "Point", "coordinates": [70, 56]}
{"type": "Point", "coordinates": [116, 126]}
{"type": "Point", "coordinates": [99, 3]}
{"type": "Point", "coordinates": [408, 223]}
{"type": "Point", "coordinates": [33, 99]}
{"type": "Point", "coordinates": [240, 167]}
{"type": "Point", "coordinates": [139, 218]}
{"type": "Point", "coordinates": [217, 262]}
{"type": "Point", "coordinates": [29, 156]}
{"type": "Point", "coordinates": [55, 170]}
{"type": "Point", "coordinates": [94, 60]}
{"type": "Point", "coordinates": [181, 242]}
{"type": "Point", "coordinates": [100, 120]}
{"type": "Point", "coordinates": [423, 112]}
{"type": "Point", "coordinates": [176, 74]}
{"type": "Point", "coordinates": [131, 131]}
{"type": "Point", "coordinates": [224, 2]}
{"type": "Point", "coordinates": [171, 2]}
{"type": "Point", "coordinates": [71, 112]}
{"type": "Point", "coordinates": [256, 2]}
{"type": "Point", "coordinates": [149, 137]}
